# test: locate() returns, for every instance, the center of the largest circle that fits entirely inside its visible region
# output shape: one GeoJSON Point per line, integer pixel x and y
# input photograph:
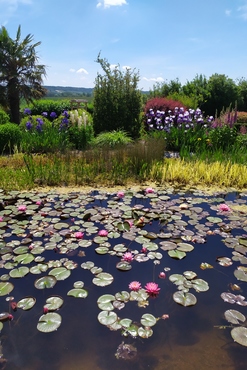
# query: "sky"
{"type": "Point", "coordinates": [162, 40]}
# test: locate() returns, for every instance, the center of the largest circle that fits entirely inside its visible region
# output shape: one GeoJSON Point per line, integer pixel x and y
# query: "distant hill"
{"type": "Point", "coordinates": [68, 91]}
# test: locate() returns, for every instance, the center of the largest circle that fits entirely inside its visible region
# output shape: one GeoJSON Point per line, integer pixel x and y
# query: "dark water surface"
{"type": "Point", "coordinates": [191, 339]}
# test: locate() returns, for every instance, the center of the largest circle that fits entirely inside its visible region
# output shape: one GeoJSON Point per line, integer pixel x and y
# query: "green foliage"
{"type": "Point", "coordinates": [80, 137]}
{"type": "Point", "coordinates": [185, 100]}
{"type": "Point", "coordinates": [10, 136]}
{"type": "Point", "coordinates": [185, 139]}
{"type": "Point", "coordinates": [57, 106]}
{"type": "Point", "coordinates": [117, 100]}
{"type": "Point", "coordinates": [49, 140]}
{"type": "Point", "coordinates": [112, 139]}
{"type": "Point", "coordinates": [223, 138]}
{"type": "Point", "coordinates": [4, 117]}
{"type": "Point", "coordinates": [33, 121]}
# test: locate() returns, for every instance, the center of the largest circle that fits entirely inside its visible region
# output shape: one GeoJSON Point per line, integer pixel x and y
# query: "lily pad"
{"type": "Point", "coordinates": [103, 279]}
{"type": "Point", "coordinates": [176, 254]}
{"type": "Point", "coordinates": [239, 335]}
{"type": "Point", "coordinates": [145, 332]}
{"type": "Point", "coordinates": [105, 302]}
{"type": "Point", "coordinates": [49, 322]}
{"type": "Point", "coordinates": [148, 320]}
{"type": "Point", "coordinates": [78, 293]}
{"type": "Point", "coordinates": [123, 266]}
{"type": "Point", "coordinates": [53, 303]}
{"type": "Point", "coordinates": [19, 272]}
{"type": "Point", "coordinates": [6, 288]}
{"type": "Point", "coordinates": [26, 303]}
{"type": "Point", "coordinates": [185, 299]}
{"type": "Point", "coordinates": [45, 282]}
{"type": "Point", "coordinates": [60, 273]}
{"type": "Point", "coordinates": [107, 317]}
{"type": "Point", "coordinates": [234, 317]}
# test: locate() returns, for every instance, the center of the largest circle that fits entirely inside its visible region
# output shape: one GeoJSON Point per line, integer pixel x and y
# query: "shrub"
{"type": "Point", "coordinates": [241, 117]}
{"type": "Point", "coordinates": [117, 100]}
{"type": "Point", "coordinates": [10, 137]}
{"type": "Point", "coordinates": [50, 106]}
{"type": "Point", "coordinates": [4, 117]}
{"type": "Point", "coordinates": [162, 104]}
{"type": "Point", "coordinates": [33, 123]}
{"type": "Point", "coordinates": [80, 137]}
{"type": "Point", "coordinates": [112, 139]}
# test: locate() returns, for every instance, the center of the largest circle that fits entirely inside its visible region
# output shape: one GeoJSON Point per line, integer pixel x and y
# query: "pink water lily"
{"type": "Point", "coordinates": [103, 233]}
{"type": "Point", "coordinates": [149, 190]}
{"type": "Point", "coordinates": [224, 207]}
{"type": "Point", "coordinates": [152, 289]}
{"type": "Point", "coordinates": [128, 257]}
{"type": "Point", "coordinates": [79, 235]}
{"type": "Point", "coordinates": [120, 194]}
{"type": "Point", "coordinates": [22, 208]}
{"type": "Point", "coordinates": [1, 218]}
{"type": "Point", "coordinates": [135, 286]}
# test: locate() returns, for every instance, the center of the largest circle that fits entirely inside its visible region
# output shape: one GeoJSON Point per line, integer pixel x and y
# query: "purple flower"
{"type": "Point", "coordinates": [27, 111]}
{"type": "Point", "coordinates": [44, 114]}
{"type": "Point", "coordinates": [29, 125]}
{"type": "Point", "coordinates": [40, 121]}
{"type": "Point", "coordinates": [53, 115]}
{"type": "Point", "coordinates": [65, 114]}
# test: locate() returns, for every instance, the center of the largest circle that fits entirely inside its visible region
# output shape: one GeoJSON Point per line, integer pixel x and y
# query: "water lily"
{"type": "Point", "coordinates": [103, 233]}
{"type": "Point", "coordinates": [39, 202]}
{"type": "Point", "coordinates": [120, 194]}
{"type": "Point", "coordinates": [22, 208]}
{"type": "Point", "coordinates": [79, 235]}
{"type": "Point", "coordinates": [162, 275]}
{"type": "Point", "coordinates": [128, 257]}
{"type": "Point", "coordinates": [135, 285]}
{"type": "Point", "coordinates": [149, 190]}
{"type": "Point", "coordinates": [224, 207]}
{"type": "Point", "coordinates": [1, 218]}
{"type": "Point", "coordinates": [152, 289]}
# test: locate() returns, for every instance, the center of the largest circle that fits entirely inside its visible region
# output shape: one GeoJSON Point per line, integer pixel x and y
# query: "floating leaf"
{"type": "Point", "coordinates": [190, 275]}
{"type": "Point", "coordinates": [205, 265]}
{"type": "Point", "coordinates": [107, 317]}
{"type": "Point", "coordinates": [105, 302]}
{"type": "Point", "coordinates": [78, 293]}
{"type": "Point", "coordinates": [214, 220]}
{"type": "Point", "coordinates": [19, 272]}
{"type": "Point", "coordinates": [234, 316]}
{"type": "Point", "coordinates": [6, 288]}
{"type": "Point", "coordinates": [240, 275]}
{"type": "Point", "coordinates": [185, 299]}
{"type": "Point", "coordinates": [24, 259]}
{"type": "Point", "coordinates": [148, 320]}
{"type": "Point", "coordinates": [185, 247]}
{"type": "Point", "coordinates": [239, 335]}
{"type": "Point", "coordinates": [144, 332]}
{"type": "Point", "coordinates": [123, 266]}
{"type": "Point", "coordinates": [200, 285]}
{"type": "Point", "coordinates": [53, 303]}
{"type": "Point", "coordinates": [224, 261]}
{"type": "Point", "coordinates": [122, 296]}
{"type": "Point", "coordinates": [45, 282]}
{"type": "Point", "coordinates": [176, 254]}
{"type": "Point", "coordinates": [26, 303]}
{"type": "Point", "coordinates": [49, 322]}
{"type": "Point", "coordinates": [125, 323]}
{"type": "Point", "coordinates": [60, 273]}
{"type": "Point", "coordinates": [103, 279]}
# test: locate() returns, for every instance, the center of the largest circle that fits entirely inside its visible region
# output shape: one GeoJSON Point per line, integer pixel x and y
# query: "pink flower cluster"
{"type": "Point", "coordinates": [103, 233]}
{"type": "Point", "coordinates": [22, 208]}
{"type": "Point", "coordinates": [151, 288]}
{"type": "Point", "coordinates": [128, 257]}
{"type": "Point", "coordinates": [79, 235]}
{"type": "Point", "coordinates": [120, 194]}
{"type": "Point", "coordinates": [149, 190]}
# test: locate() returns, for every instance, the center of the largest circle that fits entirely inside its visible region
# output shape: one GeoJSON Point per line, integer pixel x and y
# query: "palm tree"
{"type": "Point", "coordinates": [20, 75]}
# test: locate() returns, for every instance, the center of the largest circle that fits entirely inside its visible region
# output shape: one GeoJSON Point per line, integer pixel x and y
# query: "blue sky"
{"type": "Point", "coordinates": [163, 39]}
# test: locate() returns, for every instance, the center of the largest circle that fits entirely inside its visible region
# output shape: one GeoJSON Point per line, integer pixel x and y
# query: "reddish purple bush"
{"type": "Point", "coordinates": [162, 104]}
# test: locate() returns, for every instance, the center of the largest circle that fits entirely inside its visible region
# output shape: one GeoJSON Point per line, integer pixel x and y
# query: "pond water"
{"type": "Point", "coordinates": [192, 245]}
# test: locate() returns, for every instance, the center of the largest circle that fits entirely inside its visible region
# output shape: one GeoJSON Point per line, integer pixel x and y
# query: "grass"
{"type": "Point", "coordinates": [140, 163]}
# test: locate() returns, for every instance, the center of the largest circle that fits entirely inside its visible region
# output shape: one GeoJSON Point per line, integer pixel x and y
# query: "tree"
{"type": "Point", "coordinates": [117, 100]}
{"type": "Point", "coordinates": [197, 89]}
{"type": "Point", "coordinates": [242, 94]}
{"type": "Point", "coordinates": [20, 75]}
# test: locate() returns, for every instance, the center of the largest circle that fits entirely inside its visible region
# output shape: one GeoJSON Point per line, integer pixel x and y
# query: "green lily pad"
{"type": "Point", "coordinates": [53, 303]}
{"type": "Point", "coordinates": [87, 265]}
{"type": "Point", "coordinates": [49, 322]}
{"type": "Point", "coordinates": [240, 275]}
{"type": "Point", "coordinates": [24, 259]}
{"type": "Point", "coordinates": [45, 282]}
{"type": "Point", "coordinates": [105, 302]}
{"type": "Point", "coordinates": [185, 299]}
{"type": "Point", "coordinates": [107, 317]}
{"type": "Point", "coordinates": [148, 320]}
{"type": "Point", "coordinates": [176, 254]}
{"type": "Point", "coordinates": [123, 266]}
{"type": "Point", "coordinates": [239, 335]}
{"type": "Point", "coordinates": [125, 323]}
{"type": "Point", "coordinates": [78, 293]}
{"type": "Point", "coordinates": [144, 332]}
{"type": "Point", "coordinates": [19, 272]}
{"type": "Point", "coordinates": [200, 285]}
{"type": "Point", "coordinates": [185, 247]}
{"type": "Point", "coordinates": [60, 273]}
{"type": "Point", "coordinates": [122, 296]}
{"type": "Point", "coordinates": [26, 303]}
{"type": "Point", "coordinates": [6, 288]}
{"type": "Point", "coordinates": [103, 279]}
{"type": "Point", "coordinates": [214, 220]}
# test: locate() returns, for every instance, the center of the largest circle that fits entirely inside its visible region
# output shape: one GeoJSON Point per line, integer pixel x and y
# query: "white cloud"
{"type": "Point", "coordinates": [243, 10]}
{"type": "Point", "coordinates": [72, 70]}
{"type": "Point", "coordinates": [126, 67]}
{"type": "Point", "coordinates": [112, 66]}
{"type": "Point", "coordinates": [228, 12]}
{"type": "Point", "coordinates": [9, 8]}
{"type": "Point", "coordinates": [158, 79]}
{"type": "Point", "coordinates": [82, 70]}
{"type": "Point", "coordinates": [108, 3]}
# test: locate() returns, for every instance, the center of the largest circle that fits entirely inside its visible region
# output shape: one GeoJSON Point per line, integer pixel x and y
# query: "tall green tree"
{"type": "Point", "coordinates": [20, 74]}
{"type": "Point", "coordinates": [117, 100]}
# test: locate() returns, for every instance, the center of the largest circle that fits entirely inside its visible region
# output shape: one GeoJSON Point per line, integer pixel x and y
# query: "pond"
{"type": "Point", "coordinates": [150, 279]}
